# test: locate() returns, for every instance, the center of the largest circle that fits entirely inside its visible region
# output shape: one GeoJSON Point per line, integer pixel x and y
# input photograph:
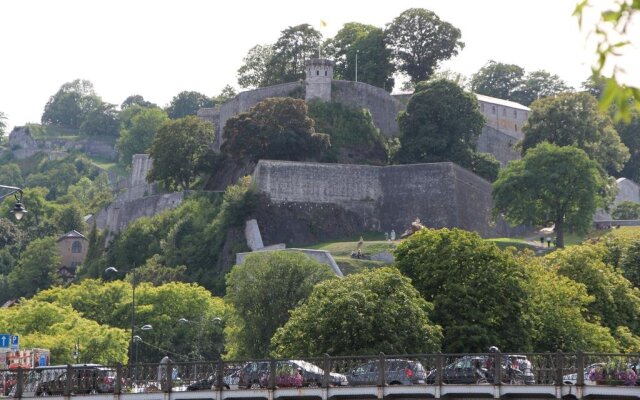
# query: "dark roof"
{"type": "Point", "coordinates": [72, 235]}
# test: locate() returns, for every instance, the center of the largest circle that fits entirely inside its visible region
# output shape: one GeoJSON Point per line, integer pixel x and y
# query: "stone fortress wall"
{"type": "Point", "coordinates": [440, 194]}
{"type": "Point", "coordinates": [504, 119]}
{"type": "Point", "coordinates": [24, 145]}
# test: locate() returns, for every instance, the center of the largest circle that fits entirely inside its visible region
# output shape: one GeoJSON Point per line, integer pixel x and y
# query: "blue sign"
{"type": "Point", "coordinates": [43, 360]}
{"type": "Point", "coordinates": [5, 339]}
{"type": "Point", "coordinates": [15, 342]}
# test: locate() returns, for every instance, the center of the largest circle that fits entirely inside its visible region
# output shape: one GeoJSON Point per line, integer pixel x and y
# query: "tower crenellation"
{"type": "Point", "coordinates": [319, 74]}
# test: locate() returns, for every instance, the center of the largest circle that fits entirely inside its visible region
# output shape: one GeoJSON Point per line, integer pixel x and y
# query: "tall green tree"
{"type": "Point", "coordinates": [573, 119]}
{"type": "Point", "coordinates": [70, 105]}
{"type": "Point", "coordinates": [3, 126]}
{"type": "Point", "coordinates": [366, 313]}
{"type": "Point", "coordinates": [57, 328]}
{"type": "Point", "coordinates": [442, 123]}
{"type": "Point", "coordinates": [629, 132]}
{"type": "Point", "coordinates": [137, 138]}
{"type": "Point", "coordinates": [497, 79]}
{"type": "Point", "coordinates": [617, 302]}
{"type": "Point", "coordinates": [538, 84]}
{"type": "Point", "coordinates": [37, 268]}
{"type": "Point", "coordinates": [100, 120]}
{"type": "Point", "coordinates": [181, 150]}
{"type": "Point", "coordinates": [10, 174]}
{"type": "Point", "coordinates": [374, 59]}
{"type": "Point", "coordinates": [555, 305]}
{"type": "Point", "coordinates": [263, 289]}
{"type": "Point", "coordinates": [551, 184]}
{"type": "Point", "coordinates": [477, 290]}
{"type": "Point", "coordinates": [295, 45]}
{"type": "Point", "coordinates": [188, 103]}
{"type": "Point", "coordinates": [420, 40]}
{"type": "Point", "coordinates": [136, 99]}
{"type": "Point", "coordinates": [277, 128]}
{"type": "Point", "coordinates": [254, 71]}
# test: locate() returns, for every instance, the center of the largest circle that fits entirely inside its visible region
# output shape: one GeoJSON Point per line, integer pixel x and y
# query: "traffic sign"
{"type": "Point", "coordinates": [5, 340]}
{"type": "Point", "coordinates": [43, 360]}
{"type": "Point", "coordinates": [15, 342]}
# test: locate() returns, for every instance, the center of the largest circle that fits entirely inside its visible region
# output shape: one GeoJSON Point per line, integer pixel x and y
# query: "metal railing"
{"type": "Point", "coordinates": [531, 369]}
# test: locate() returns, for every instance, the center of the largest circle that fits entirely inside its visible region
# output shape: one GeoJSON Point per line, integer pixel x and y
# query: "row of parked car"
{"type": "Point", "coordinates": [516, 369]}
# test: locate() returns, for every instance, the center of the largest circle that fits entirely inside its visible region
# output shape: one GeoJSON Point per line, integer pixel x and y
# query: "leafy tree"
{"type": "Point", "coordinates": [420, 40]}
{"type": "Point", "coordinates": [573, 119]}
{"type": "Point", "coordinates": [37, 268]}
{"type": "Point", "coordinates": [554, 306]}
{"type": "Point", "coordinates": [56, 327]}
{"type": "Point", "coordinates": [295, 45]}
{"type": "Point", "coordinates": [71, 104]}
{"type": "Point", "coordinates": [137, 138]}
{"type": "Point", "coordinates": [539, 84]}
{"type": "Point", "coordinates": [227, 93]}
{"type": "Point", "coordinates": [254, 70]}
{"type": "Point", "coordinates": [551, 183]}
{"type": "Point", "coordinates": [138, 100]}
{"type": "Point", "coordinates": [263, 289]}
{"type": "Point", "coordinates": [629, 132]}
{"type": "Point", "coordinates": [11, 175]}
{"type": "Point", "coordinates": [91, 195]}
{"type": "Point", "coordinates": [626, 210]}
{"type": "Point", "coordinates": [3, 125]}
{"type": "Point", "coordinates": [10, 234]}
{"type": "Point", "coordinates": [630, 263]}
{"type": "Point", "coordinates": [188, 103]}
{"type": "Point", "coordinates": [277, 129]}
{"type": "Point", "coordinates": [181, 150]}
{"type": "Point", "coordinates": [70, 218]}
{"type": "Point", "coordinates": [442, 123]}
{"type": "Point", "coordinates": [366, 313]}
{"type": "Point", "coordinates": [101, 121]}
{"type": "Point", "coordinates": [498, 80]}
{"type": "Point", "coordinates": [476, 289]}
{"type": "Point", "coordinates": [616, 303]}
{"type": "Point", "coordinates": [374, 59]}
{"type": "Point", "coordinates": [156, 273]}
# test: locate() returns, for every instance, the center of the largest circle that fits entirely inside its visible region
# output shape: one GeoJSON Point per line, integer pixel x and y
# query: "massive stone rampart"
{"type": "Point", "coordinates": [24, 145]}
{"type": "Point", "coordinates": [243, 102]}
{"type": "Point", "coordinates": [498, 143]}
{"type": "Point", "coordinates": [440, 194]}
{"type": "Point", "coordinates": [384, 108]}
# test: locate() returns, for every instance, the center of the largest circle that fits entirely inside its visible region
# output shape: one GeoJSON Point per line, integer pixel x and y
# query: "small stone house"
{"type": "Point", "coordinates": [72, 248]}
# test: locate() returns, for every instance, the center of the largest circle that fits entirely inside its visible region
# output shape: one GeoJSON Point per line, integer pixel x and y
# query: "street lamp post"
{"type": "Point", "coordinates": [133, 310]}
{"type": "Point", "coordinates": [18, 209]}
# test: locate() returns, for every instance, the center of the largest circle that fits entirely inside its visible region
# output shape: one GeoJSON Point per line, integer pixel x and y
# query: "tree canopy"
{"type": "Point", "coordinates": [276, 128]}
{"type": "Point", "coordinates": [420, 40]}
{"type": "Point", "coordinates": [263, 289]}
{"type": "Point", "coordinates": [188, 103]}
{"type": "Point", "coordinates": [550, 184]}
{"type": "Point", "coordinates": [509, 82]}
{"type": "Point", "coordinates": [366, 42]}
{"type": "Point", "coordinates": [476, 289]}
{"type": "Point", "coordinates": [366, 313]}
{"type": "Point", "coordinates": [181, 150]}
{"type": "Point", "coordinates": [573, 119]}
{"type": "Point", "coordinates": [141, 130]}
{"type": "Point", "coordinates": [442, 123]}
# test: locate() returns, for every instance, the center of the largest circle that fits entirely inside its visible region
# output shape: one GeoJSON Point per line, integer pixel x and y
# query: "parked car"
{"type": "Point", "coordinates": [516, 369]}
{"type": "Point", "coordinates": [7, 381]}
{"type": "Point", "coordinates": [397, 372]}
{"type": "Point", "coordinates": [85, 379]}
{"type": "Point", "coordinates": [572, 379]}
{"type": "Point", "coordinates": [289, 373]}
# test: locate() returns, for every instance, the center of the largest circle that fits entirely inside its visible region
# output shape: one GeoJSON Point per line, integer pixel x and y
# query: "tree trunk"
{"type": "Point", "coordinates": [560, 232]}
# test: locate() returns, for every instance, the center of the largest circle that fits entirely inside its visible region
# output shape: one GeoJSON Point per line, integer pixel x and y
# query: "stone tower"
{"type": "Point", "coordinates": [319, 73]}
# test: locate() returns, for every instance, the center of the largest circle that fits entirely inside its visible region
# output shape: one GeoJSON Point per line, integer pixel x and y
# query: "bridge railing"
{"type": "Point", "coordinates": [406, 369]}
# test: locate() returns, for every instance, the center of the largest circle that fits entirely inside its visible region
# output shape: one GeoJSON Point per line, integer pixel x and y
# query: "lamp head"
{"type": "Point", "coordinates": [19, 211]}
{"type": "Point", "coordinates": [110, 269]}
{"type": "Point", "coordinates": [146, 327]}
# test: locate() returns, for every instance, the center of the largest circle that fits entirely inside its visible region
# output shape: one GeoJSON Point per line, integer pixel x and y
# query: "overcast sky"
{"type": "Point", "coordinates": [158, 48]}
